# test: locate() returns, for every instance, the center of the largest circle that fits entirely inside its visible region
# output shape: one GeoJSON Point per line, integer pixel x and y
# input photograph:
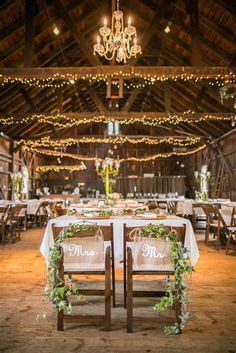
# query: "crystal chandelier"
{"type": "Point", "coordinates": [117, 41]}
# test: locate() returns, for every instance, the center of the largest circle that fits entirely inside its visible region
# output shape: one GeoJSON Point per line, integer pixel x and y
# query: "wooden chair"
{"type": "Point", "coordinates": [129, 272]}
{"type": "Point", "coordinates": [13, 223]}
{"type": "Point", "coordinates": [3, 216]}
{"type": "Point", "coordinates": [107, 232]}
{"type": "Point", "coordinates": [215, 224]}
{"type": "Point", "coordinates": [22, 216]}
{"type": "Point", "coordinates": [40, 217]}
{"type": "Point", "coordinates": [231, 241]}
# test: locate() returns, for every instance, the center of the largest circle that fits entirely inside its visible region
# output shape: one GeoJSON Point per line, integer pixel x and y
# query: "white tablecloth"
{"type": "Point", "coordinates": [118, 223]}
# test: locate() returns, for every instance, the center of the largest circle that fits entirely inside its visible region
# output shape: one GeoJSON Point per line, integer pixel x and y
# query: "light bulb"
{"type": "Point", "coordinates": [105, 22]}
{"type": "Point", "coordinates": [55, 30]}
{"type": "Point", "coordinates": [98, 39]}
{"type": "Point", "coordinates": [129, 21]}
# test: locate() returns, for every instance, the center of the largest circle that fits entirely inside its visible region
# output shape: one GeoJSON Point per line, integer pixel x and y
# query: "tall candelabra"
{"type": "Point", "coordinates": [107, 168]}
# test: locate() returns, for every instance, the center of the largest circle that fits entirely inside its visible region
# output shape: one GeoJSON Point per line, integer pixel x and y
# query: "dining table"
{"type": "Point", "coordinates": [118, 228]}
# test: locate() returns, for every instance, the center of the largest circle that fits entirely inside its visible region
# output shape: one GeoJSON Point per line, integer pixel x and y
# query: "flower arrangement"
{"type": "Point", "coordinates": [182, 272]}
{"type": "Point", "coordinates": [17, 184]}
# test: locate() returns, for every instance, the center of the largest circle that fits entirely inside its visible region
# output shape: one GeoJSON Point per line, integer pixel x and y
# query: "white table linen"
{"type": "Point", "coordinates": [118, 225]}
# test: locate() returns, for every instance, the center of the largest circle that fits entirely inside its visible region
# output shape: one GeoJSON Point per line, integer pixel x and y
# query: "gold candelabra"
{"type": "Point", "coordinates": [107, 168]}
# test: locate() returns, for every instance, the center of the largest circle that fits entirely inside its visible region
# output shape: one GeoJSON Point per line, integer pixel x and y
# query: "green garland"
{"type": "Point", "coordinates": [182, 272]}
{"type": "Point", "coordinates": [60, 292]}
{"type": "Point", "coordinates": [101, 212]}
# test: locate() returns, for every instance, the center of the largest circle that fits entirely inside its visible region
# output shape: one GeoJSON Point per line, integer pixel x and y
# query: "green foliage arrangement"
{"type": "Point", "coordinates": [58, 290]}
{"type": "Point", "coordinates": [106, 212]}
{"type": "Point", "coordinates": [182, 272]}
{"type": "Point", "coordinates": [101, 212]}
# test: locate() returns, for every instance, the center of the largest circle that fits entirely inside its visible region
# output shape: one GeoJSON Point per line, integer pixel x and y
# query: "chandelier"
{"type": "Point", "coordinates": [118, 40]}
{"type": "Point", "coordinates": [109, 167]}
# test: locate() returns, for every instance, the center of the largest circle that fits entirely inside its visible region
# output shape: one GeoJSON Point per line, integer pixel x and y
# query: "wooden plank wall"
{"type": "Point", "coordinates": [12, 160]}
{"type": "Point", "coordinates": [151, 185]}
{"type": "Point", "coordinates": [212, 158]}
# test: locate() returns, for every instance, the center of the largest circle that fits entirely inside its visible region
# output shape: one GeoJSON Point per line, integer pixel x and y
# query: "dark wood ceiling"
{"type": "Point", "coordinates": [201, 33]}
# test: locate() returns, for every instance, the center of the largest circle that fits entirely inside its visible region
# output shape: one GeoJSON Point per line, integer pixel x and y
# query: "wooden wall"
{"type": "Point", "coordinates": [222, 150]}
{"type": "Point", "coordinates": [12, 159]}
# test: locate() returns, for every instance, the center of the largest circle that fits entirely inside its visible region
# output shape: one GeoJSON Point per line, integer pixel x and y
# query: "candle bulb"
{"type": "Point", "coordinates": [105, 22]}
{"type": "Point", "coordinates": [135, 40]}
{"type": "Point", "coordinates": [129, 21]}
{"type": "Point", "coordinates": [98, 39]}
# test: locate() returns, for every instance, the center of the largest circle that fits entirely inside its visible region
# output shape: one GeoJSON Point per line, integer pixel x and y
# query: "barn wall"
{"type": "Point", "coordinates": [12, 159]}
{"type": "Point", "coordinates": [213, 159]}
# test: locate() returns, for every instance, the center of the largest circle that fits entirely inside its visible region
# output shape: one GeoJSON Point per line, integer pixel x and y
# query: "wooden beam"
{"type": "Point", "coordinates": [196, 42]}
{"type": "Point", "coordinates": [226, 162]}
{"type": "Point", "coordinates": [124, 71]}
{"type": "Point", "coordinates": [117, 115]}
{"type": "Point", "coordinates": [28, 100]}
{"type": "Point", "coordinates": [59, 99]}
{"type": "Point", "coordinates": [29, 32]}
{"type": "Point", "coordinates": [167, 96]}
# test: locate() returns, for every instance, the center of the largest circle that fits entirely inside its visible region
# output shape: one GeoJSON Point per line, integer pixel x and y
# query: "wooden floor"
{"type": "Point", "coordinates": [212, 327]}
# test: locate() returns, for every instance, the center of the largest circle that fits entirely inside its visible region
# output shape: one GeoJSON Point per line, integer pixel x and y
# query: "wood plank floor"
{"type": "Point", "coordinates": [212, 327]}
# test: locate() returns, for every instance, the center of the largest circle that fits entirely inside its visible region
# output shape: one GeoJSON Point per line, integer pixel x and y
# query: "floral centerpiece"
{"type": "Point", "coordinates": [16, 184]}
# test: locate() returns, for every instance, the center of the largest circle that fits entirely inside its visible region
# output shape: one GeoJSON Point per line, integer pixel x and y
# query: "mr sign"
{"type": "Point", "coordinates": [152, 254]}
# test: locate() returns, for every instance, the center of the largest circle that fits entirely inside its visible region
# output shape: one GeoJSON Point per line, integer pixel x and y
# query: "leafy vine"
{"type": "Point", "coordinates": [58, 290]}
{"type": "Point", "coordinates": [182, 272]}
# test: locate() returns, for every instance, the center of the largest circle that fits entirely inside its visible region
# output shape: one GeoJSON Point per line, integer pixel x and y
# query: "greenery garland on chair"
{"type": "Point", "coordinates": [182, 272]}
{"type": "Point", "coordinates": [59, 292]}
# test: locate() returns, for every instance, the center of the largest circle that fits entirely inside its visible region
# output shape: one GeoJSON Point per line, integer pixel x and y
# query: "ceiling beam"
{"type": "Point", "coordinates": [85, 47]}
{"type": "Point", "coordinates": [196, 41]}
{"type": "Point", "coordinates": [30, 6]}
{"type": "Point", "coordinates": [117, 115]}
{"type": "Point", "coordinates": [124, 71]}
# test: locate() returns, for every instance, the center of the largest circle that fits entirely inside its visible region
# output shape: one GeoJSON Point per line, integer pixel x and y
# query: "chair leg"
{"type": "Point", "coordinates": [113, 284]}
{"type": "Point", "coordinates": [60, 320]}
{"type": "Point", "coordinates": [129, 292]}
{"type": "Point", "coordinates": [218, 239]}
{"type": "Point", "coordinates": [108, 291]}
{"type": "Point", "coordinates": [228, 243]}
{"type": "Point", "coordinates": [207, 234]}
{"type": "Point", "coordinates": [125, 283]}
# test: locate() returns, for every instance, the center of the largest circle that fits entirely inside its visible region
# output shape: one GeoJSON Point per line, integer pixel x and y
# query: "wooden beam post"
{"type": "Point", "coordinates": [196, 41]}
{"type": "Point", "coordinates": [29, 32]}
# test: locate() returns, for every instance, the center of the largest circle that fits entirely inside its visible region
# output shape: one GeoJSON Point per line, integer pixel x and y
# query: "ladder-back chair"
{"type": "Point", "coordinates": [130, 271]}
{"type": "Point", "coordinates": [107, 232]}
{"type": "Point", "coordinates": [215, 224]}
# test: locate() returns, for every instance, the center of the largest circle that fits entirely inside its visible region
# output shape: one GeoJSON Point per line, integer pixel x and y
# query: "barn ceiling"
{"type": "Point", "coordinates": [202, 33]}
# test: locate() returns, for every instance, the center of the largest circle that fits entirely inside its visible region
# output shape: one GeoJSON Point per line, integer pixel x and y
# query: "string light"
{"type": "Point", "coordinates": [148, 119]}
{"type": "Point", "coordinates": [217, 76]}
{"type": "Point", "coordinates": [48, 142]}
{"type": "Point", "coordinates": [59, 168]}
{"type": "Point", "coordinates": [60, 154]}
{"type": "Point", "coordinates": [135, 159]}
{"type": "Point", "coordinates": [163, 155]}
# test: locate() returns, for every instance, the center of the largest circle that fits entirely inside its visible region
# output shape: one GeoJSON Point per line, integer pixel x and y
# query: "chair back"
{"type": "Point", "coordinates": [152, 254]}
{"type": "Point", "coordinates": [22, 210]}
{"type": "Point", "coordinates": [13, 212]}
{"type": "Point", "coordinates": [180, 230]}
{"type": "Point", "coordinates": [3, 213]}
{"type": "Point", "coordinates": [214, 216]}
{"type": "Point", "coordinates": [85, 250]}
{"type": "Point", "coordinates": [227, 214]}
